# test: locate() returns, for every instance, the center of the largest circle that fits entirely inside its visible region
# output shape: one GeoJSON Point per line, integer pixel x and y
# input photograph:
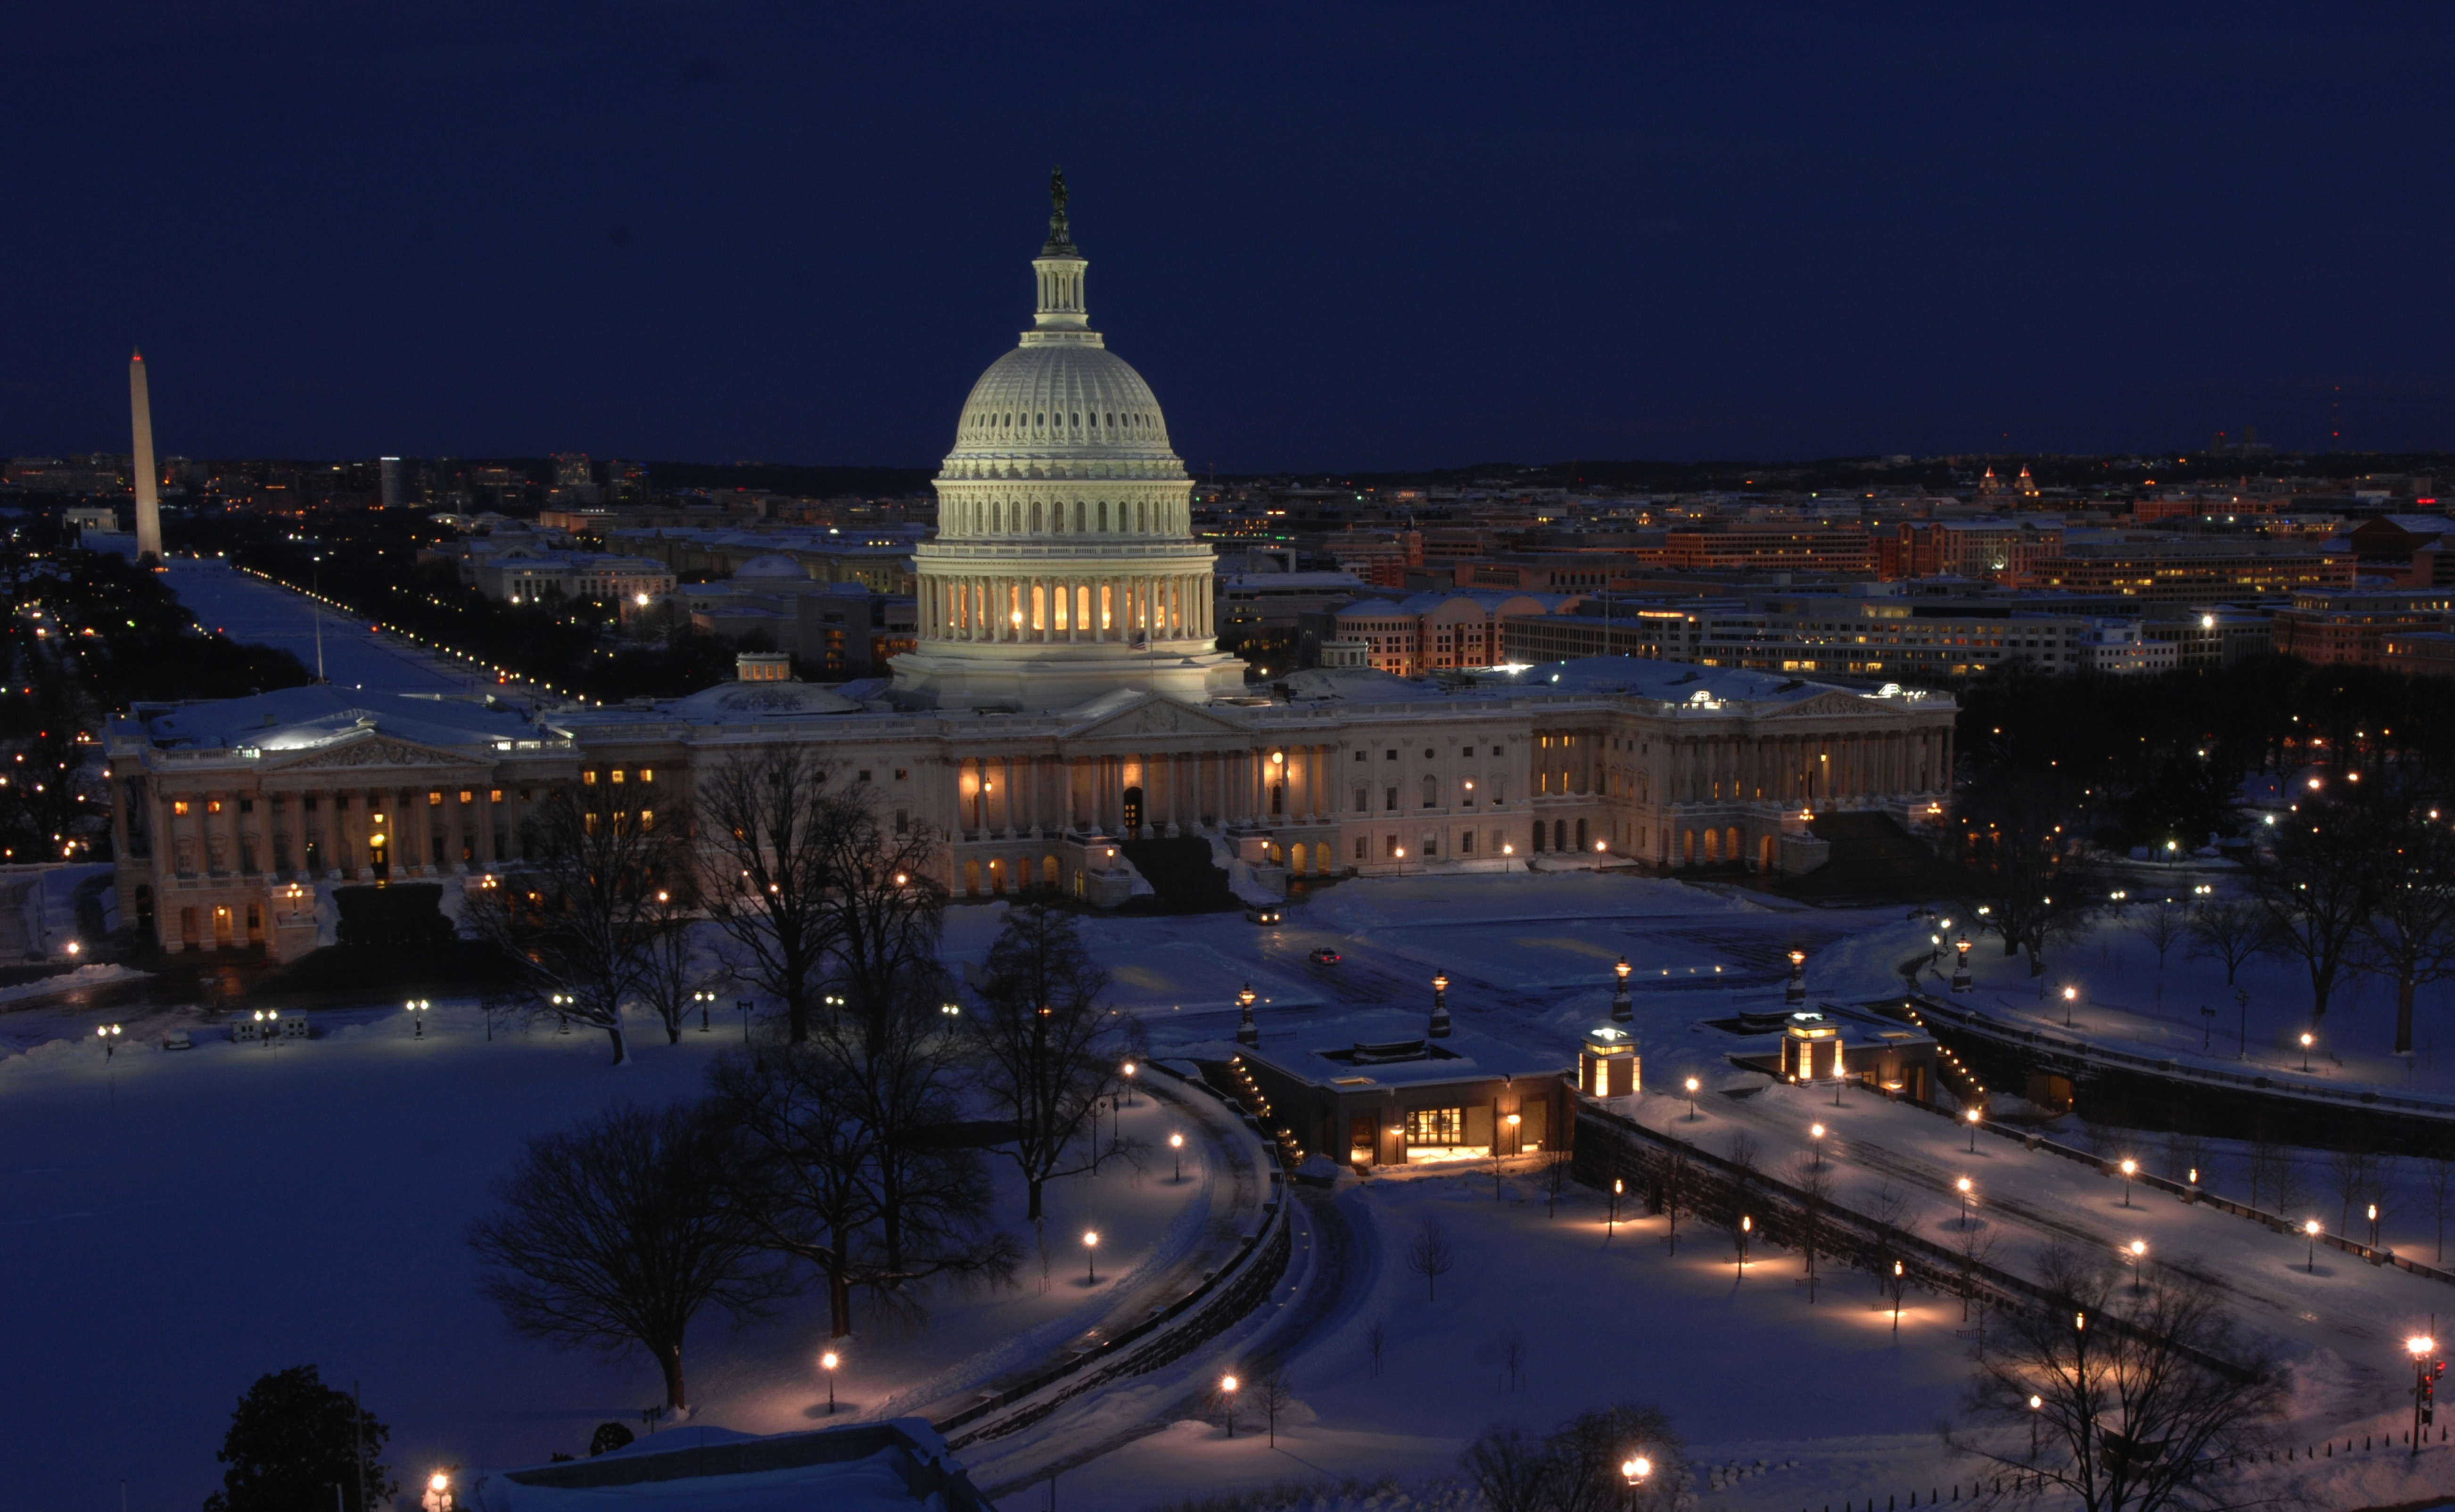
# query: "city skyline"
{"type": "Point", "coordinates": [1343, 244]}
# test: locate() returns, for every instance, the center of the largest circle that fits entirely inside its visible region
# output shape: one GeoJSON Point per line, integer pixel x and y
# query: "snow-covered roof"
{"type": "Point", "coordinates": [300, 718]}
{"type": "Point", "coordinates": [859, 1468]}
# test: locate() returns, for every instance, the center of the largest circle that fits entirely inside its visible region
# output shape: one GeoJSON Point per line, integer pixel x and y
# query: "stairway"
{"type": "Point", "coordinates": [1182, 878]}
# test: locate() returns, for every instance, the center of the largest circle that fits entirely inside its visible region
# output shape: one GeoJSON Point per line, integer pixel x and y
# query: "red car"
{"type": "Point", "coordinates": [1324, 956]}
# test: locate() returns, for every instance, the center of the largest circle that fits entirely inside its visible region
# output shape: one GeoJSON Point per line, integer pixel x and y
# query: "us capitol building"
{"type": "Point", "coordinates": [1066, 695]}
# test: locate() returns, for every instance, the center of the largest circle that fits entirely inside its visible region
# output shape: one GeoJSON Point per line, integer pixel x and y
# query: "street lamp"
{"type": "Point", "coordinates": [1634, 1469]}
{"type": "Point", "coordinates": [743, 1004]}
{"type": "Point", "coordinates": [1131, 1068]}
{"type": "Point", "coordinates": [828, 1363]}
{"type": "Point", "coordinates": [438, 1494]}
{"type": "Point", "coordinates": [2421, 1346]}
{"type": "Point", "coordinates": [2306, 1040]}
{"type": "Point", "coordinates": [1176, 1147]}
{"type": "Point", "coordinates": [1747, 1226]}
{"type": "Point", "coordinates": [2310, 1231]}
{"type": "Point", "coordinates": [1618, 1187]}
{"type": "Point", "coordinates": [563, 1019]}
{"type": "Point", "coordinates": [1816, 1134]}
{"type": "Point", "coordinates": [1622, 1010]}
{"type": "Point", "coordinates": [1965, 1185]}
{"type": "Point", "coordinates": [1975, 1118]}
{"type": "Point", "coordinates": [2036, 1404]}
{"type": "Point", "coordinates": [1248, 1033]}
{"type": "Point", "coordinates": [1090, 1257]}
{"type": "Point", "coordinates": [1692, 1099]}
{"type": "Point", "coordinates": [2071, 995]}
{"type": "Point", "coordinates": [706, 1000]}
{"type": "Point", "coordinates": [2136, 1248]}
{"type": "Point", "coordinates": [1228, 1397]}
{"type": "Point", "coordinates": [1796, 992]}
{"type": "Point", "coordinates": [109, 1035]}
{"type": "Point", "coordinates": [2129, 1168]}
{"type": "Point", "coordinates": [418, 1007]}
{"type": "Point", "coordinates": [2373, 1225]}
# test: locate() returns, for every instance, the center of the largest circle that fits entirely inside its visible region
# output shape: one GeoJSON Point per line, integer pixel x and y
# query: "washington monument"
{"type": "Point", "coordinates": [148, 500]}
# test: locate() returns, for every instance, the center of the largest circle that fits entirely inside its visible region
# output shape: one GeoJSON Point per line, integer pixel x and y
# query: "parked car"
{"type": "Point", "coordinates": [1324, 956]}
{"type": "Point", "coordinates": [1262, 913]}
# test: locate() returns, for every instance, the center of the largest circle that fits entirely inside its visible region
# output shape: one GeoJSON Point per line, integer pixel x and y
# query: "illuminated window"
{"type": "Point", "coordinates": [588, 778]}
{"type": "Point", "coordinates": [466, 795]}
{"type": "Point", "coordinates": [493, 794]}
{"type": "Point", "coordinates": [617, 774]}
{"type": "Point", "coordinates": [1436, 1125]}
{"type": "Point", "coordinates": [179, 807]}
{"type": "Point", "coordinates": [647, 819]}
{"type": "Point", "coordinates": [213, 805]}
{"type": "Point", "coordinates": [647, 774]}
{"type": "Point", "coordinates": [433, 796]}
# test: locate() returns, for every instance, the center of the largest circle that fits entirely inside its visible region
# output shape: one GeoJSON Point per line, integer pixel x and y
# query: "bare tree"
{"type": "Point", "coordinates": [2408, 936]}
{"type": "Point", "coordinates": [1512, 1361]}
{"type": "Point", "coordinates": [1674, 1176]}
{"type": "Point", "coordinates": [2318, 890]}
{"type": "Point", "coordinates": [2146, 1395]}
{"type": "Point", "coordinates": [2285, 1181]}
{"type": "Point", "coordinates": [1587, 1451]}
{"type": "Point", "coordinates": [1511, 1469]}
{"type": "Point", "coordinates": [2228, 929]}
{"type": "Point", "coordinates": [1555, 1180]}
{"type": "Point", "coordinates": [670, 967]}
{"type": "Point", "coordinates": [768, 821]}
{"type": "Point", "coordinates": [611, 1234]}
{"type": "Point", "coordinates": [1046, 1041]}
{"type": "Point", "coordinates": [2164, 928]}
{"type": "Point", "coordinates": [1887, 1258]}
{"type": "Point", "coordinates": [1376, 1341]}
{"type": "Point", "coordinates": [2351, 1175]}
{"type": "Point", "coordinates": [804, 1176]}
{"type": "Point", "coordinates": [1272, 1392]}
{"type": "Point", "coordinates": [1975, 1246]}
{"type": "Point", "coordinates": [1429, 1255]}
{"type": "Point", "coordinates": [576, 921]}
{"type": "Point", "coordinates": [1813, 1181]}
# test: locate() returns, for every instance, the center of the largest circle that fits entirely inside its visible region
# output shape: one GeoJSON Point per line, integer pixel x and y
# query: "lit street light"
{"type": "Point", "coordinates": [438, 1494]}
{"type": "Point", "coordinates": [2036, 1404]}
{"type": "Point", "coordinates": [1227, 1399]}
{"type": "Point", "coordinates": [2071, 996]}
{"type": "Point", "coordinates": [1692, 1099]}
{"type": "Point", "coordinates": [1965, 1185]}
{"type": "Point", "coordinates": [418, 1007]}
{"type": "Point", "coordinates": [1130, 1069]}
{"type": "Point", "coordinates": [2306, 1040]}
{"type": "Point", "coordinates": [2310, 1230]}
{"type": "Point", "coordinates": [1090, 1257]}
{"type": "Point", "coordinates": [1816, 1137]}
{"type": "Point", "coordinates": [706, 1000]}
{"type": "Point", "coordinates": [1975, 1118]}
{"type": "Point", "coordinates": [828, 1363]}
{"type": "Point", "coordinates": [2136, 1249]}
{"type": "Point", "coordinates": [1176, 1147]}
{"type": "Point", "coordinates": [1618, 1187]}
{"type": "Point", "coordinates": [2130, 1168]}
{"type": "Point", "coordinates": [1747, 1226]}
{"type": "Point", "coordinates": [1634, 1469]}
{"type": "Point", "coordinates": [2421, 1346]}
{"type": "Point", "coordinates": [2373, 1225]}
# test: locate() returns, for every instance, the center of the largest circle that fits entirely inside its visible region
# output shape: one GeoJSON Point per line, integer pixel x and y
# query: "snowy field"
{"type": "Point", "coordinates": [185, 1221]}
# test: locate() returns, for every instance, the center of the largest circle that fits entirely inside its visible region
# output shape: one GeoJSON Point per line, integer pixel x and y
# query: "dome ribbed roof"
{"type": "Point", "coordinates": [1068, 401]}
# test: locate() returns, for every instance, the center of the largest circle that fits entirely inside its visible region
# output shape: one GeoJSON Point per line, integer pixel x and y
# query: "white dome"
{"type": "Point", "coordinates": [1071, 401]}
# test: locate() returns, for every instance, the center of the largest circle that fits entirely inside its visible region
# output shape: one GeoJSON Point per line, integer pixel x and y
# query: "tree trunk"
{"type": "Point", "coordinates": [673, 1030]}
{"type": "Point", "coordinates": [2403, 988]}
{"type": "Point", "coordinates": [839, 1302]}
{"type": "Point", "coordinates": [621, 1046]}
{"type": "Point", "coordinates": [670, 1357]}
{"type": "Point", "coordinates": [1033, 1213]}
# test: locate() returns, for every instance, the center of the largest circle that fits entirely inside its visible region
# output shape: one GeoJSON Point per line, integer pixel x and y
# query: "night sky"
{"type": "Point", "coordinates": [1332, 237]}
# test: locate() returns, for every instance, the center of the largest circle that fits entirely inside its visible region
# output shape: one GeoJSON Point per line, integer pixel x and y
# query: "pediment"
{"type": "Point", "coordinates": [1829, 705]}
{"type": "Point", "coordinates": [371, 749]}
{"type": "Point", "coordinates": [1156, 715]}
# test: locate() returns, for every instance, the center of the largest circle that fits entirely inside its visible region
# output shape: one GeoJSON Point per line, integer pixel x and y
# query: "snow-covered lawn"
{"type": "Point", "coordinates": [177, 1223]}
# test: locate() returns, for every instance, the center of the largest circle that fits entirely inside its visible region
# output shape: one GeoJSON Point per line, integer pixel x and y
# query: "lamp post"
{"type": "Point", "coordinates": [418, 1007]}
{"type": "Point", "coordinates": [1797, 991]}
{"type": "Point", "coordinates": [1130, 1069]}
{"type": "Point", "coordinates": [1747, 1226]}
{"type": "Point", "coordinates": [2373, 1225]}
{"type": "Point", "coordinates": [2424, 1380]}
{"type": "Point", "coordinates": [1960, 967]}
{"type": "Point", "coordinates": [706, 1000]}
{"type": "Point", "coordinates": [2306, 1038]}
{"type": "Point", "coordinates": [1633, 1471]}
{"type": "Point", "coordinates": [2242, 1000]}
{"type": "Point", "coordinates": [2071, 996]}
{"type": "Point", "coordinates": [1622, 1010]}
{"type": "Point", "coordinates": [109, 1035]}
{"type": "Point", "coordinates": [743, 1004]}
{"type": "Point", "coordinates": [2207, 1027]}
{"type": "Point", "coordinates": [438, 1494]}
{"type": "Point", "coordinates": [1816, 1138]}
{"type": "Point", "coordinates": [828, 1363]}
{"type": "Point", "coordinates": [1964, 1186]}
{"type": "Point", "coordinates": [1248, 1032]}
{"type": "Point", "coordinates": [2136, 1250]}
{"type": "Point", "coordinates": [1440, 1029]}
{"type": "Point", "coordinates": [2037, 1404]}
{"type": "Point", "coordinates": [1974, 1116]}
{"type": "Point", "coordinates": [1692, 1099]}
{"type": "Point", "coordinates": [1090, 1257]}
{"type": "Point", "coordinates": [1228, 1401]}
{"type": "Point", "coordinates": [1618, 1187]}
{"type": "Point", "coordinates": [2129, 1168]}
{"type": "Point", "coordinates": [1176, 1147]}
{"type": "Point", "coordinates": [2310, 1231]}
{"type": "Point", "coordinates": [561, 1018]}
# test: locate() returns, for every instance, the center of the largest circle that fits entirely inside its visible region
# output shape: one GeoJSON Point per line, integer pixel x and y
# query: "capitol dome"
{"type": "Point", "coordinates": [1064, 565]}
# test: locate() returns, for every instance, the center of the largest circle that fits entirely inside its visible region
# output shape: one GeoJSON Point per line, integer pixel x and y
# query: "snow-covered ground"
{"type": "Point", "coordinates": [182, 1221]}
